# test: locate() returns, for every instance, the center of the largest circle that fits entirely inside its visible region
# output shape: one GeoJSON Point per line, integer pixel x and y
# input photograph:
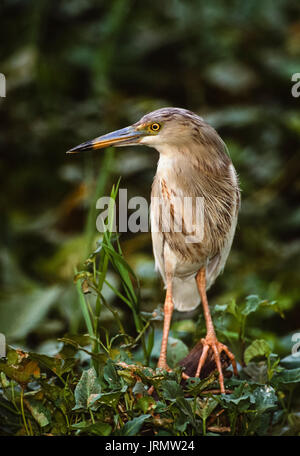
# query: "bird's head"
{"type": "Point", "coordinates": [162, 129]}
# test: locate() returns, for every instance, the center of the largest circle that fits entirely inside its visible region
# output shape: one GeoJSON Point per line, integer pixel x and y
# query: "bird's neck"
{"type": "Point", "coordinates": [209, 161]}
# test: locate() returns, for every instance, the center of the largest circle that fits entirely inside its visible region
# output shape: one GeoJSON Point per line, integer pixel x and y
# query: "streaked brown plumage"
{"type": "Point", "coordinates": [193, 163]}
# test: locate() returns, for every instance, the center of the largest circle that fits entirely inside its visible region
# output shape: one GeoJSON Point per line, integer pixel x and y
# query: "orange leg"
{"type": "Point", "coordinates": [168, 311]}
{"type": "Point", "coordinates": [211, 341]}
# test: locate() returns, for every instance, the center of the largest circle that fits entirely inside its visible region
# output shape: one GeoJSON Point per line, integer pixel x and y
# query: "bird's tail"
{"type": "Point", "coordinates": [185, 294]}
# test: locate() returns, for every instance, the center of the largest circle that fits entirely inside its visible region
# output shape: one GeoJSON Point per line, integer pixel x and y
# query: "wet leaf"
{"type": "Point", "coordinates": [87, 386]}
{"type": "Point", "coordinates": [287, 376]}
{"type": "Point", "coordinates": [265, 398]}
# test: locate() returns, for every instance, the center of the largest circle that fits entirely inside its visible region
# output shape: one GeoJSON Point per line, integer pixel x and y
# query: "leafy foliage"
{"type": "Point", "coordinates": [106, 392]}
{"type": "Point", "coordinates": [117, 402]}
{"type": "Point", "coordinates": [77, 69]}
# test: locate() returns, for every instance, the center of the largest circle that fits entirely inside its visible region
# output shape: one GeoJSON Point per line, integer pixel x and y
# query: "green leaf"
{"type": "Point", "coordinates": [21, 372]}
{"type": "Point", "coordinates": [161, 407]}
{"type": "Point", "coordinates": [195, 385]}
{"type": "Point", "coordinates": [230, 308]}
{"type": "Point", "coordinates": [4, 382]}
{"type": "Point", "coordinates": [171, 390]}
{"type": "Point", "coordinates": [95, 429]}
{"type": "Point", "coordinates": [139, 388]}
{"type": "Point", "coordinates": [184, 405]}
{"type": "Point", "coordinates": [251, 305]}
{"type": "Point", "coordinates": [265, 398]}
{"type": "Point", "coordinates": [9, 419]}
{"type": "Point", "coordinates": [181, 422]}
{"type": "Point", "coordinates": [39, 412]}
{"type": "Point", "coordinates": [253, 302]}
{"type": "Point", "coordinates": [86, 389]}
{"type": "Point", "coordinates": [242, 397]}
{"type": "Point", "coordinates": [111, 376]}
{"type": "Point", "coordinates": [100, 429]}
{"type": "Point", "coordinates": [258, 348]}
{"type": "Point", "coordinates": [62, 397]}
{"type": "Point", "coordinates": [111, 398]}
{"type": "Point", "coordinates": [177, 350]}
{"type": "Point", "coordinates": [288, 376]}
{"type": "Point", "coordinates": [206, 408]}
{"type": "Point", "coordinates": [57, 365]}
{"type": "Point", "coordinates": [145, 403]}
{"type": "Point", "coordinates": [132, 427]}
{"type": "Point", "coordinates": [121, 261]}
{"type": "Point", "coordinates": [84, 309]}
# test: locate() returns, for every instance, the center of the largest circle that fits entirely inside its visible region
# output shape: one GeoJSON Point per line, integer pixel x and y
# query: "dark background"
{"type": "Point", "coordinates": [78, 68]}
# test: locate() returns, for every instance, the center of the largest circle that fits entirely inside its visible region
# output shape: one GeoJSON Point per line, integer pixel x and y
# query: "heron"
{"type": "Point", "coordinates": [193, 162]}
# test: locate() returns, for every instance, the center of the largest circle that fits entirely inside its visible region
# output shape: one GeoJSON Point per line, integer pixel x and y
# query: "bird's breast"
{"type": "Point", "coordinates": [183, 185]}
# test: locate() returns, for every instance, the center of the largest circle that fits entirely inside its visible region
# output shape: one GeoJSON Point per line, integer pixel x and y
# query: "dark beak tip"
{"type": "Point", "coordinates": [72, 151]}
{"type": "Point", "coordinates": [80, 148]}
{"type": "Point", "coordinates": [114, 139]}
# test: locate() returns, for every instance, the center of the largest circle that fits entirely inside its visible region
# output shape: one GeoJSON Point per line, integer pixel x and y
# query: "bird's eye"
{"type": "Point", "coordinates": [155, 126]}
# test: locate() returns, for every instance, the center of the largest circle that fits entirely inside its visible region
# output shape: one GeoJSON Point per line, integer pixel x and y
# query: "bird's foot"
{"type": "Point", "coordinates": [211, 342]}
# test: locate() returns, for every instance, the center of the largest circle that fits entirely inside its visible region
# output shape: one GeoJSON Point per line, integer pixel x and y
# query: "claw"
{"type": "Point", "coordinates": [211, 342]}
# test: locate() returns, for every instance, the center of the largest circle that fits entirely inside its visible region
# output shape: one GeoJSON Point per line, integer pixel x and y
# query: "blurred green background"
{"type": "Point", "coordinates": [76, 69]}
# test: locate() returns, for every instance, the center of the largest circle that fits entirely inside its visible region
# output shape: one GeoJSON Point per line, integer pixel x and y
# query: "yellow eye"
{"type": "Point", "coordinates": [155, 127]}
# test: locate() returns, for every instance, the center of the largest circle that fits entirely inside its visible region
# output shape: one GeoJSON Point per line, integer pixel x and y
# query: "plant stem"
{"type": "Point", "coordinates": [84, 309]}
{"type": "Point", "coordinates": [22, 411]}
{"type": "Point", "coordinates": [204, 427]}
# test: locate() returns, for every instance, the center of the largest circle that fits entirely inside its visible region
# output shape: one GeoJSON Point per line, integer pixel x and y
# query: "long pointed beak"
{"type": "Point", "coordinates": [125, 136]}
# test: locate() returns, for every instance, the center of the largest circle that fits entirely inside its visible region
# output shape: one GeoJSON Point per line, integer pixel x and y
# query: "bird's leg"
{"type": "Point", "coordinates": [168, 311]}
{"type": "Point", "coordinates": [211, 341]}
